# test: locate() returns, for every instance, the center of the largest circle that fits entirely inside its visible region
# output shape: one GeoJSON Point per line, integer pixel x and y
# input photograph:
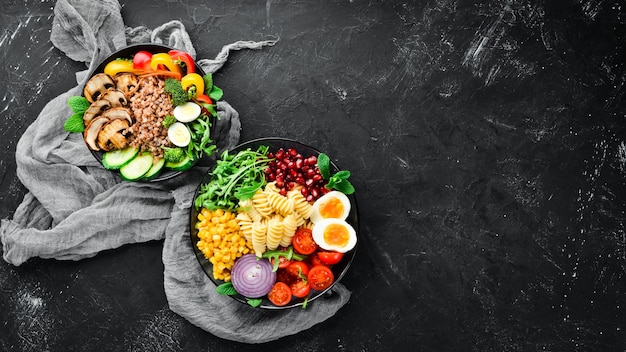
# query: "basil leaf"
{"type": "Point", "coordinates": [255, 302]}
{"type": "Point", "coordinates": [226, 288]}
{"type": "Point", "coordinates": [216, 93]}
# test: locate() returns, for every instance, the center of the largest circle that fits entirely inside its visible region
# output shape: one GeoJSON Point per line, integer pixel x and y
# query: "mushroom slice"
{"type": "Point", "coordinates": [97, 85]}
{"type": "Point", "coordinates": [119, 113]}
{"type": "Point", "coordinates": [96, 108]}
{"type": "Point", "coordinates": [127, 83]}
{"type": "Point", "coordinates": [93, 131]}
{"type": "Point", "coordinates": [115, 97]}
{"type": "Point", "coordinates": [112, 135]}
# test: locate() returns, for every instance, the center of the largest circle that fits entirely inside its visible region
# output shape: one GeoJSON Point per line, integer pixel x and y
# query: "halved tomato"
{"type": "Point", "coordinates": [300, 288]}
{"type": "Point", "coordinates": [320, 277]}
{"type": "Point", "coordinates": [303, 241]}
{"type": "Point", "coordinates": [280, 294]}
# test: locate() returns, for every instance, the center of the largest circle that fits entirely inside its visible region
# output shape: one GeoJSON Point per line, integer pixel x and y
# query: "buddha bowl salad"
{"type": "Point", "coordinates": [274, 225]}
{"type": "Point", "coordinates": [147, 113]}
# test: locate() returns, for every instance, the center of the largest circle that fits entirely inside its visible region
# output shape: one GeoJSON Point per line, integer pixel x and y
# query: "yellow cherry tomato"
{"type": "Point", "coordinates": [165, 60]}
{"type": "Point", "coordinates": [118, 66]}
{"type": "Point", "coordinates": [193, 79]}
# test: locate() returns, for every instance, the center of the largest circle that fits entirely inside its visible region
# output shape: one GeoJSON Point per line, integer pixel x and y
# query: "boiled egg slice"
{"type": "Point", "coordinates": [187, 112]}
{"type": "Point", "coordinates": [334, 235]}
{"type": "Point", "coordinates": [333, 204]}
{"type": "Point", "coordinates": [179, 134]}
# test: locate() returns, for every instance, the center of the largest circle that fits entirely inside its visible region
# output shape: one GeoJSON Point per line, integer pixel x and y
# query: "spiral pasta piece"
{"type": "Point", "coordinates": [259, 234]}
{"type": "Point", "coordinates": [261, 204]}
{"type": "Point", "coordinates": [290, 225]}
{"type": "Point", "coordinates": [245, 225]}
{"type": "Point", "coordinates": [300, 204]}
{"type": "Point", "coordinates": [274, 232]}
{"type": "Point", "coordinates": [281, 204]}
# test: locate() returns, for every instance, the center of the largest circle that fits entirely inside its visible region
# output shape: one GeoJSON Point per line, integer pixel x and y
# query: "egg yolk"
{"type": "Point", "coordinates": [332, 208]}
{"type": "Point", "coordinates": [336, 235]}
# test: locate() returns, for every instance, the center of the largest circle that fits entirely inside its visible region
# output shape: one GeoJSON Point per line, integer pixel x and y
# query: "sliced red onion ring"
{"type": "Point", "coordinates": [252, 277]}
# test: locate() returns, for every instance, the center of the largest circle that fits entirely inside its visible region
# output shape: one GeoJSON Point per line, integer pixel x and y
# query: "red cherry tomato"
{"type": "Point", "coordinates": [300, 289]}
{"type": "Point", "coordinates": [283, 262]}
{"type": "Point", "coordinates": [298, 270]}
{"type": "Point", "coordinates": [280, 294]}
{"type": "Point", "coordinates": [283, 275]}
{"type": "Point", "coordinates": [303, 242]}
{"type": "Point", "coordinates": [330, 258]}
{"type": "Point", "coordinates": [320, 277]}
{"type": "Point", "coordinates": [141, 60]}
{"type": "Point", "coordinates": [314, 260]}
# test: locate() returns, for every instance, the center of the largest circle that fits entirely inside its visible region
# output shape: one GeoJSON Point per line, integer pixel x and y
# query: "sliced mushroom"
{"type": "Point", "coordinates": [127, 83]}
{"type": "Point", "coordinates": [97, 85]}
{"type": "Point", "coordinates": [115, 97]}
{"type": "Point", "coordinates": [92, 131]}
{"type": "Point", "coordinates": [96, 108]}
{"type": "Point", "coordinates": [119, 113]}
{"type": "Point", "coordinates": [112, 135]}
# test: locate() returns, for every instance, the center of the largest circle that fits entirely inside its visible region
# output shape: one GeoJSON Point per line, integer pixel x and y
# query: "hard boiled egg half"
{"type": "Point", "coordinates": [187, 112]}
{"type": "Point", "coordinates": [333, 204]}
{"type": "Point", "coordinates": [334, 235]}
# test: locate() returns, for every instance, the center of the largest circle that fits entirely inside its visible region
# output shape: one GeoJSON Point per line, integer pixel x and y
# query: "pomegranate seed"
{"type": "Point", "coordinates": [314, 192]}
{"type": "Point", "coordinates": [304, 191]}
{"type": "Point", "coordinates": [309, 198]}
{"type": "Point", "coordinates": [283, 192]}
{"type": "Point", "coordinates": [317, 177]}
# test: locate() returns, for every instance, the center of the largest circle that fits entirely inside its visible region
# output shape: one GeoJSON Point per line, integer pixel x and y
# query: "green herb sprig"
{"type": "Point", "coordinates": [338, 181]}
{"type": "Point", "coordinates": [78, 105]}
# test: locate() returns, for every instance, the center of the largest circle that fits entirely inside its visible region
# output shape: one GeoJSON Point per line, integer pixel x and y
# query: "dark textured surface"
{"type": "Point", "coordinates": [486, 142]}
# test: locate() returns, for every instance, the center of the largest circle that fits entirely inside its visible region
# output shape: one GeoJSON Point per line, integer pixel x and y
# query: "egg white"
{"type": "Point", "coordinates": [315, 211]}
{"type": "Point", "coordinates": [187, 112]}
{"type": "Point", "coordinates": [179, 134]}
{"type": "Point", "coordinates": [318, 235]}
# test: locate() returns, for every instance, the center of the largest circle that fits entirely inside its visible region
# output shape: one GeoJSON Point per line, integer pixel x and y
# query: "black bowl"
{"type": "Point", "coordinates": [339, 269]}
{"type": "Point", "coordinates": [129, 52]}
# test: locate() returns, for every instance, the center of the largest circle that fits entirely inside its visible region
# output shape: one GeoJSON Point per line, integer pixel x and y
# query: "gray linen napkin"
{"type": "Point", "coordinates": [74, 208]}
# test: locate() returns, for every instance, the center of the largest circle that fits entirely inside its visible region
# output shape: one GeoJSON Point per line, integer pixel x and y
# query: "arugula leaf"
{"type": "Point", "coordinates": [74, 123]}
{"type": "Point", "coordinates": [78, 104]}
{"type": "Point", "coordinates": [226, 288]}
{"type": "Point", "coordinates": [234, 178]}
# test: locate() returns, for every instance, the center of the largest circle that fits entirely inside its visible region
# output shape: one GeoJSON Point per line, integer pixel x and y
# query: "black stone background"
{"type": "Point", "coordinates": [486, 142]}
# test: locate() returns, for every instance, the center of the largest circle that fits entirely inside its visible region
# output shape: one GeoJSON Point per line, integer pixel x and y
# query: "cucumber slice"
{"type": "Point", "coordinates": [136, 168]}
{"type": "Point", "coordinates": [182, 165]}
{"type": "Point", "coordinates": [155, 170]}
{"type": "Point", "coordinates": [115, 159]}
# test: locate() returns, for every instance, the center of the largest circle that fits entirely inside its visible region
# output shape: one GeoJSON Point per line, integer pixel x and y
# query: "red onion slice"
{"type": "Point", "coordinates": [252, 277]}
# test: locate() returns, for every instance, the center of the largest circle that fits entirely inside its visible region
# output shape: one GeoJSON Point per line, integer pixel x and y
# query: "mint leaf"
{"type": "Point", "coordinates": [255, 302]}
{"type": "Point", "coordinates": [74, 123]}
{"type": "Point", "coordinates": [345, 187]}
{"type": "Point", "coordinates": [78, 104]}
{"type": "Point", "coordinates": [226, 288]}
{"type": "Point", "coordinates": [343, 174]}
{"type": "Point", "coordinates": [216, 93]}
{"type": "Point", "coordinates": [323, 163]}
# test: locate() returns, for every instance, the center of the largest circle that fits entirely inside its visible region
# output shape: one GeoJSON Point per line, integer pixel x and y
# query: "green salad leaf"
{"type": "Point", "coordinates": [235, 178]}
{"type": "Point", "coordinates": [226, 289]}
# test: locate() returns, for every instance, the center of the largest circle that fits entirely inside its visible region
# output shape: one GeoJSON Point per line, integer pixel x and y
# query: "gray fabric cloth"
{"type": "Point", "coordinates": [75, 208]}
